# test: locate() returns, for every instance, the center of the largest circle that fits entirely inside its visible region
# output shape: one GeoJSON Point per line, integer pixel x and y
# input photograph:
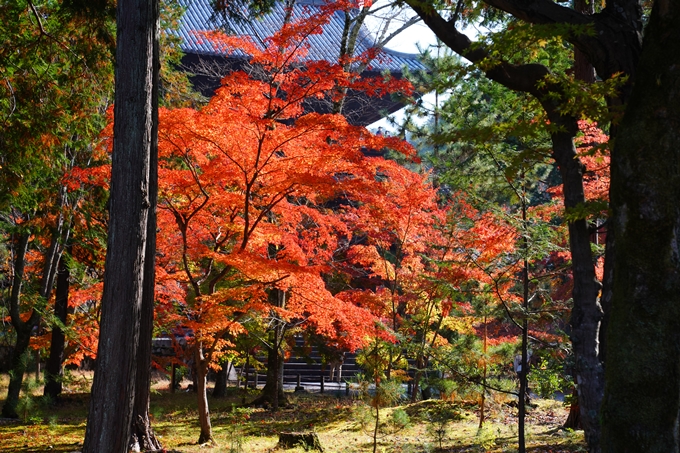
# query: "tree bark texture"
{"type": "Point", "coordinates": [142, 433]}
{"type": "Point", "coordinates": [586, 313]}
{"type": "Point", "coordinates": [306, 440]}
{"type": "Point", "coordinates": [113, 389]}
{"type": "Point", "coordinates": [202, 387]}
{"type": "Point", "coordinates": [641, 411]}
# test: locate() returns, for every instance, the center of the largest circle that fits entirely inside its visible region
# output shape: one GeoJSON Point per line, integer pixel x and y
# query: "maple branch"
{"type": "Point", "coordinates": [276, 199]}
{"type": "Point", "coordinates": [222, 150]}
{"type": "Point", "coordinates": [181, 224]}
{"type": "Point", "coordinates": [44, 32]}
{"type": "Point", "coordinates": [215, 280]}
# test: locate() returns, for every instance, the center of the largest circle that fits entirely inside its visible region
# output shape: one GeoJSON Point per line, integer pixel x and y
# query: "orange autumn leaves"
{"type": "Point", "coordinates": [254, 195]}
{"type": "Point", "coordinates": [258, 193]}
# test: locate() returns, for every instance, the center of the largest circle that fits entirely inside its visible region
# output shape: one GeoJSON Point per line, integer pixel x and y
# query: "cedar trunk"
{"type": "Point", "coordinates": [641, 411]}
{"type": "Point", "coordinates": [142, 434]}
{"type": "Point", "coordinates": [113, 389]}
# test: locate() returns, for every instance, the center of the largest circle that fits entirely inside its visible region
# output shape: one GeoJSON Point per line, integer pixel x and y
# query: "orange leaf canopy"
{"type": "Point", "coordinates": [252, 190]}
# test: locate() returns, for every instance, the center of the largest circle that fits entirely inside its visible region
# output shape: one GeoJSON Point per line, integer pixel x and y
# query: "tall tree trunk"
{"type": "Point", "coordinates": [113, 389]}
{"type": "Point", "coordinates": [586, 313]}
{"type": "Point", "coordinates": [141, 432]}
{"type": "Point", "coordinates": [54, 371]}
{"type": "Point", "coordinates": [524, 371]}
{"type": "Point", "coordinates": [641, 411]}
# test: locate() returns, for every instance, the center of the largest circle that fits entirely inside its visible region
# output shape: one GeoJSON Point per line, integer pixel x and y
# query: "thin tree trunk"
{"type": "Point", "coordinates": [24, 329]}
{"type": "Point", "coordinates": [377, 422]}
{"type": "Point", "coordinates": [54, 371]}
{"type": "Point", "coordinates": [524, 371]}
{"type": "Point", "coordinates": [113, 390]}
{"type": "Point", "coordinates": [482, 401]}
{"type": "Point", "coordinates": [202, 387]}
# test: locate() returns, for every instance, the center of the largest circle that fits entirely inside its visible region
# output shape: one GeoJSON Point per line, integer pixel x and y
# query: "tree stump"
{"type": "Point", "coordinates": [307, 440]}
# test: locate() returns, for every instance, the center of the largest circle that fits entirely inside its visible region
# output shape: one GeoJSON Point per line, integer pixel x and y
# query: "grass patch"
{"type": "Point", "coordinates": [435, 426]}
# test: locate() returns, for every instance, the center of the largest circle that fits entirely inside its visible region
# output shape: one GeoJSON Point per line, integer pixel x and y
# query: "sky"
{"type": "Point", "coordinates": [415, 38]}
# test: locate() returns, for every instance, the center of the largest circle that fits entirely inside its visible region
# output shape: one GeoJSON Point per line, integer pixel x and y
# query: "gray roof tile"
{"type": "Point", "coordinates": [325, 46]}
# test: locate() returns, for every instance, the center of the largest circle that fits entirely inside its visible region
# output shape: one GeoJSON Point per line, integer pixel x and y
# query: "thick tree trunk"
{"type": "Point", "coordinates": [141, 432]}
{"type": "Point", "coordinates": [272, 393]}
{"type": "Point", "coordinates": [641, 411]}
{"type": "Point", "coordinates": [54, 371]}
{"type": "Point", "coordinates": [113, 390]}
{"type": "Point", "coordinates": [583, 70]}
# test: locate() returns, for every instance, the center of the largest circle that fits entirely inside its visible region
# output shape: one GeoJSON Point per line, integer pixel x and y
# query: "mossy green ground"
{"type": "Point", "coordinates": [343, 424]}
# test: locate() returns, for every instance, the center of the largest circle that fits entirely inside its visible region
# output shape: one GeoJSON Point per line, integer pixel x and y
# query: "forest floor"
{"type": "Point", "coordinates": [343, 424]}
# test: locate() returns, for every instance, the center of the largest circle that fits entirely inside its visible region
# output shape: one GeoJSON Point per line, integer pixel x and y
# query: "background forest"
{"type": "Point", "coordinates": [467, 256]}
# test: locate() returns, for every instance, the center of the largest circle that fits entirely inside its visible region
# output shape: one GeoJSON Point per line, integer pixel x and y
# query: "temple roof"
{"type": "Point", "coordinates": [199, 16]}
